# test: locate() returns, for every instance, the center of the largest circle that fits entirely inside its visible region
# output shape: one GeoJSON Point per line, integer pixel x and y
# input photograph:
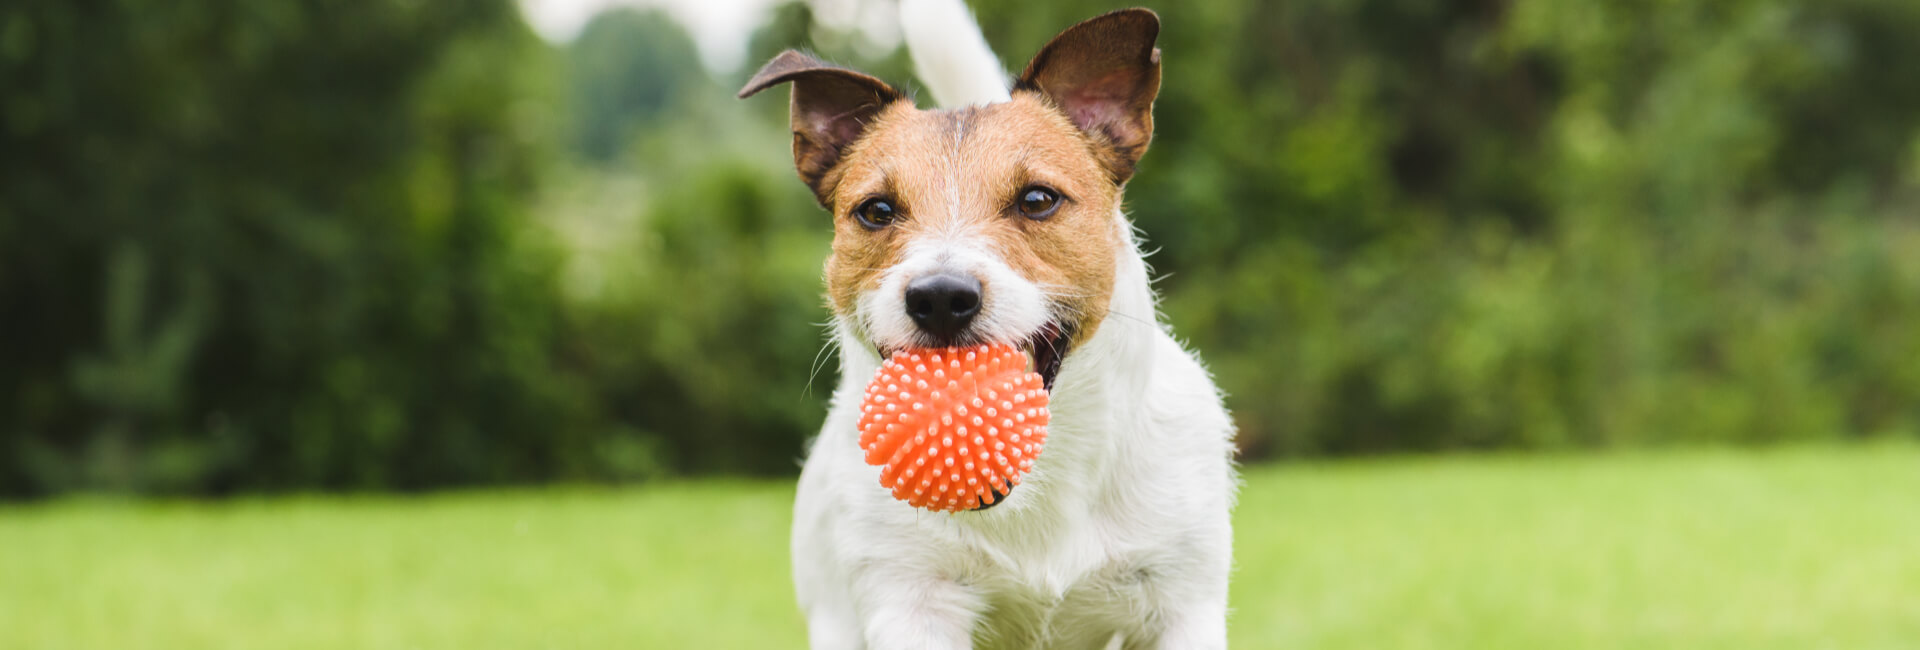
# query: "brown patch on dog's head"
{"type": "Point", "coordinates": [960, 173]}
{"type": "Point", "coordinates": [1078, 121]}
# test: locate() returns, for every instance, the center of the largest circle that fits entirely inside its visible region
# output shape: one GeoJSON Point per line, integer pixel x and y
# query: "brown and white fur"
{"type": "Point", "coordinates": [1121, 535]}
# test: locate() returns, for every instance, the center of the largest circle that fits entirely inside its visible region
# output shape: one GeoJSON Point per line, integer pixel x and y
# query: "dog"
{"type": "Point", "coordinates": [999, 220]}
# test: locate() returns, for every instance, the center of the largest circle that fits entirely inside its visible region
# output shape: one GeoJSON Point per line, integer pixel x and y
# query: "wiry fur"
{"type": "Point", "coordinates": [1122, 530]}
{"type": "Point", "coordinates": [1121, 535]}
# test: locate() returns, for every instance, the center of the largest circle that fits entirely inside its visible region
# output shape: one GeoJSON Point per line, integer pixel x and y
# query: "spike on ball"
{"type": "Point", "coordinates": [935, 431]}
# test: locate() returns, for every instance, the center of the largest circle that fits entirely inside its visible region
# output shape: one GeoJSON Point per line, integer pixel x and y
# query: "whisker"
{"type": "Point", "coordinates": [1072, 310]}
{"type": "Point", "coordinates": [819, 361]}
{"type": "Point", "coordinates": [1134, 318]}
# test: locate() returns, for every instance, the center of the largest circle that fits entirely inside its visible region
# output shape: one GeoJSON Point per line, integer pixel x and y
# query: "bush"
{"type": "Point", "coordinates": [273, 246]}
{"type": "Point", "coordinates": [286, 246]}
{"type": "Point", "coordinates": [1417, 226]}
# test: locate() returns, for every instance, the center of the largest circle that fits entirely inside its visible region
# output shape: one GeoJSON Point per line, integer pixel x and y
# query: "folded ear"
{"type": "Point", "coordinates": [831, 109]}
{"type": "Point", "coordinates": [1104, 74]}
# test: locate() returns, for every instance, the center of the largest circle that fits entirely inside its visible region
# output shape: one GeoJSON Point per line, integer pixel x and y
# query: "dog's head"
{"type": "Point", "coordinates": [982, 224]}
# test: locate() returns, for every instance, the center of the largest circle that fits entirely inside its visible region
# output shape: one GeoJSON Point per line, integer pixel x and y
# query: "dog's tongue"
{"type": "Point", "coordinates": [951, 426]}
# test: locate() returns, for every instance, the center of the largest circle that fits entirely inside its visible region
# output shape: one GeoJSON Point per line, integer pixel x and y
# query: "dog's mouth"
{"type": "Point", "coordinates": [1046, 349]}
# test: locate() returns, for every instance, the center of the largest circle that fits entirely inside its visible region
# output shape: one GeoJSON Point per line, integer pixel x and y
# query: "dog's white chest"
{"type": "Point", "coordinates": [1045, 604]}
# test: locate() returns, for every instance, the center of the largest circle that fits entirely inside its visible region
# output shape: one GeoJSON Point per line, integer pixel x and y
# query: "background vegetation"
{"type": "Point", "coordinates": [405, 244]}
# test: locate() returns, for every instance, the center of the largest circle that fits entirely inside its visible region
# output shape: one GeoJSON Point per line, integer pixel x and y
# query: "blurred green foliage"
{"type": "Point", "coordinates": [1431, 225]}
{"type": "Point", "coordinates": [405, 244]}
{"type": "Point", "coordinates": [627, 67]}
{"type": "Point", "coordinates": [276, 245]}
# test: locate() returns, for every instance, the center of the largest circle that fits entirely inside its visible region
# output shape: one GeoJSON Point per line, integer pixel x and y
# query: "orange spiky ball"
{"type": "Point", "coordinates": [948, 427]}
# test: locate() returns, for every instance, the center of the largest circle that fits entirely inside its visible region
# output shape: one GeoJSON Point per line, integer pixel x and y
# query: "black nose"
{"type": "Point", "coordinates": [943, 304]}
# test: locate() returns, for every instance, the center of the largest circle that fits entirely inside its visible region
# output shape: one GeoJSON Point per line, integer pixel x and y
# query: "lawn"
{"type": "Point", "coordinates": [1798, 548]}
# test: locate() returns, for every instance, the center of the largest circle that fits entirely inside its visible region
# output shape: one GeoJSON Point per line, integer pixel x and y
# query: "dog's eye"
{"type": "Point", "coordinates": [1038, 202]}
{"type": "Point", "coordinates": [875, 213]}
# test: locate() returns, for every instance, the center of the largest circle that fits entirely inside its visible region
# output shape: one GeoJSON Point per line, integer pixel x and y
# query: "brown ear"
{"type": "Point", "coordinates": [831, 109]}
{"type": "Point", "coordinates": [1104, 74]}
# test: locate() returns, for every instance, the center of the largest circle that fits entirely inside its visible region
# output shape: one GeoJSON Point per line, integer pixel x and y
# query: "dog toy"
{"type": "Point", "coordinates": [950, 427]}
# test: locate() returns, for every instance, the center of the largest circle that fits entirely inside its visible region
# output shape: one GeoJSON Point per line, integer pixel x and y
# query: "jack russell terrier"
{"type": "Point", "coordinates": [998, 220]}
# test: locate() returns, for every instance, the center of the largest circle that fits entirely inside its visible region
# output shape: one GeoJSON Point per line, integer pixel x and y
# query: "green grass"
{"type": "Point", "coordinates": [1801, 548]}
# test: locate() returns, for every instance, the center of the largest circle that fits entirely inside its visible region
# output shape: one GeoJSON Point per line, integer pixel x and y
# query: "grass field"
{"type": "Point", "coordinates": [1800, 548]}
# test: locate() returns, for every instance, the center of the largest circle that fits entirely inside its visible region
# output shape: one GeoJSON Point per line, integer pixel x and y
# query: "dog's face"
{"type": "Point", "coordinates": [981, 224]}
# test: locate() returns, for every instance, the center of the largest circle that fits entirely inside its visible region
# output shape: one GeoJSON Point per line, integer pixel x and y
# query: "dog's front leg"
{"type": "Point", "coordinates": [904, 608]}
{"type": "Point", "coordinates": [1199, 625]}
{"type": "Point", "coordinates": [1189, 602]}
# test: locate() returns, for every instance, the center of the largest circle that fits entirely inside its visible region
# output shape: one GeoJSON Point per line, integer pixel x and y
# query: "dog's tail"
{"type": "Point", "coordinates": [949, 54]}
